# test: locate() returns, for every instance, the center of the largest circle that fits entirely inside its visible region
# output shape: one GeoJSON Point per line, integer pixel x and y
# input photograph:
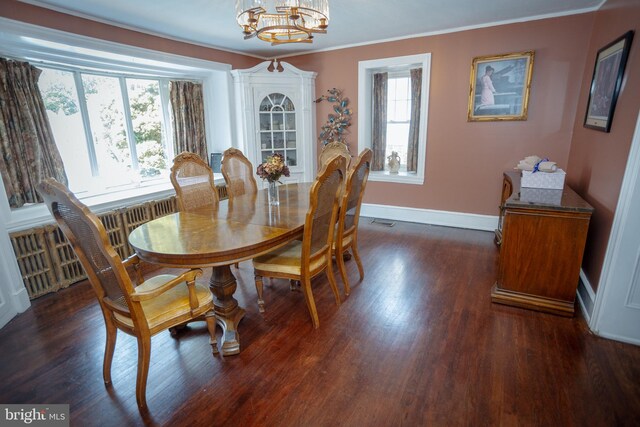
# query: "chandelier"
{"type": "Point", "coordinates": [287, 21]}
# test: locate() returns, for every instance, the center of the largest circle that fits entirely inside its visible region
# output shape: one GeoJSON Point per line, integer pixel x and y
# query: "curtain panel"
{"type": "Point", "coordinates": [29, 152]}
{"type": "Point", "coordinates": [379, 121]}
{"type": "Point", "coordinates": [187, 104]}
{"type": "Point", "coordinates": [414, 124]}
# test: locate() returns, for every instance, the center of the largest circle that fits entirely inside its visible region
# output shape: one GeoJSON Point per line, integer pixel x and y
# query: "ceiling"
{"type": "Point", "coordinates": [212, 23]}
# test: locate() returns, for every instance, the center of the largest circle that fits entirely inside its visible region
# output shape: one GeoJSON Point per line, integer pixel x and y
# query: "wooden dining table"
{"type": "Point", "coordinates": [234, 231]}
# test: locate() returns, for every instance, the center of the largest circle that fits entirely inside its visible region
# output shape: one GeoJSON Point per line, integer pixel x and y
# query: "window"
{"type": "Point", "coordinates": [397, 105]}
{"type": "Point", "coordinates": [398, 117]}
{"type": "Point", "coordinates": [110, 129]}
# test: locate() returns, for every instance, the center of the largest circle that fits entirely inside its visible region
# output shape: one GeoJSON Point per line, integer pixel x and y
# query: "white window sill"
{"type": "Point", "coordinates": [400, 177]}
{"type": "Point", "coordinates": [37, 214]}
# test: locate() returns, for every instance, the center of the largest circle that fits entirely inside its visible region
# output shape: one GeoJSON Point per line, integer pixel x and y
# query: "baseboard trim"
{"type": "Point", "coordinates": [619, 338]}
{"type": "Point", "coordinates": [586, 296]}
{"type": "Point", "coordinates": [21, 300]}
{"type": "Point", "coordinates": [432, 217]}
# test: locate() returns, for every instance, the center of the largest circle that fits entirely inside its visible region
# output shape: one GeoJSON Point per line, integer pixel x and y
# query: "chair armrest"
{"type": "Point", "coordinates": [188, 276]}
{"type": "Point", "coordinates": [136, 263]}
{"type": "Point", "coordinates": [131, 261]}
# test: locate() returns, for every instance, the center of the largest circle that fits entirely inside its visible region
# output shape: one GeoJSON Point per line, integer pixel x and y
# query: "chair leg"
{"type": "Point", "coordinates": [236, 265]}
{"type": "Point", "coordinates": [210, 317]}
{"type": "Point", "coordinates": [356, 255]}
{"type": "Point", "coordinates": [332, 281]}
{"type": "Point", "coordinates": [311, 304]}
{"type": "Point", "coordinates": [144, 355]}
{"type": "Point", "coordinates": [259, 286]}
{"type": "Point", "coordinates": [112, 335]}
{"type": "Point", "coordinates": [343, 270]}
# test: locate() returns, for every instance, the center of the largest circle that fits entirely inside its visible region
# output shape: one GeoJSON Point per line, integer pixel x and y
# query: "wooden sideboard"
{"type": "Point", "coordinates": [541, 235]}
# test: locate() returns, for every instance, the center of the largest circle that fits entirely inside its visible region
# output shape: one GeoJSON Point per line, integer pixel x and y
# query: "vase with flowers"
{"type": "Point", "coordinates": [271, 170]}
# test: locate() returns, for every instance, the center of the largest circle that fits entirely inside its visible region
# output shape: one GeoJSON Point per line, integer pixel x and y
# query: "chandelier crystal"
{"type": "Point", "coordinates": [283, 21]}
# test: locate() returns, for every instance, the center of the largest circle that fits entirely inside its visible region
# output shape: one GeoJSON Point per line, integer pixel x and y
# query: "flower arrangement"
{"type": "Point", "coordinates": [273, 168]}
{"type": "Point", "coordinates": [336, 127]}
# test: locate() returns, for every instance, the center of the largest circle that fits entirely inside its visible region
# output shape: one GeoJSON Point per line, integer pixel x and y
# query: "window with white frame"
{"type": "Point", "coordinates": [110, 128]}
{"type": "Point", "coordinates": [404, 109]}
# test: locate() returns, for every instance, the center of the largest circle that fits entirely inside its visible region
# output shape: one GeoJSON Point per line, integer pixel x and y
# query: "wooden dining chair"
{"type": "Point", "coordinates": [192, 179]}
{"type": "Point", "coordinates": [141, 310]}
{"type": "Point", "coordinates": [238, 172]}
{"type": "Point", "coordinates": [303, 260]}
{"type": "Point", "coordinates": [333, 149]}
{"type": "Point", "coordinates": [347, 229]}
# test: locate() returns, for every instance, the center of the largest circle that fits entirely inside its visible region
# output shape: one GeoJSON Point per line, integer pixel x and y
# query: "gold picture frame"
{"type": "Point", "coordinates": [499, 88]}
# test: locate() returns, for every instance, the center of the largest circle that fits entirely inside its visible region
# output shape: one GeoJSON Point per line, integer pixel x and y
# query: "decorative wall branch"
{"type": "Point", "coordinates": [336, 128]}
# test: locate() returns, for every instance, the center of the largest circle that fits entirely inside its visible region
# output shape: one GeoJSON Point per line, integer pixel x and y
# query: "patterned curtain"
{"type": "Point", "coordinates": [187, 104]}
{"type": "Point", "coordinates": [29, 152]}
{"type": "Point", "coordinates": [414, 126]}
{"type": "Point", "coordinates": [379, 131]}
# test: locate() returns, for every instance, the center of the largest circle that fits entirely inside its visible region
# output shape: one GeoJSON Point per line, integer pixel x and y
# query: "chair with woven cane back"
{"type": "Point", "coordinates": [238, 172]}
{"type": "Point", "coordinates": [332, 149]}
{"type": "Point", "coordinates": [141, 310]}
{"type": "Point", "coordinates": [303, 260]}
{"type": "Point", "coordinates": [192, 179]}
{"type": "Point", "coordinates": [347, 229]}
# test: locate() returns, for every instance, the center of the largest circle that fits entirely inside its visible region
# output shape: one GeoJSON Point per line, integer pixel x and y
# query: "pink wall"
{"type": "Point", "coordinates": [13, 9]}
{"type": "Point", "coordinates": [465, 160]}
{"type": "Point", "coordinates": [597, 160]}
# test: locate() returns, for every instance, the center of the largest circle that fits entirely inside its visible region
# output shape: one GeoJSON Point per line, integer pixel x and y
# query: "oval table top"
{"type": "Point", "coordinates": [234, 231]}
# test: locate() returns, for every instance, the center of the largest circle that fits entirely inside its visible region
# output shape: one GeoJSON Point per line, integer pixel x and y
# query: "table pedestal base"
{"type": "Point", "coordinates": [228, 312]}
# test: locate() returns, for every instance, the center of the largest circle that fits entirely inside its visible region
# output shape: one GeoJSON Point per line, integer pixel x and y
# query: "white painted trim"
{"type": "Point", "coordinates": [12, 291]}
{"type": "Point", "coordinates": [607, 277]}
{"type": "Point", "coordinates": [199, 67]}
{"type": "Point", "coordinates": [400, 178]}
{"type": "Point", "coordinates": [618, 338]}
{"type": "Point", "coordinates": [432, 217]}
{"type": "Point", "coordinates": [450, 30]}
{"type": "Point", "coordinates": [584, 287]}
{"type": "Point", "coordinates": [132, 28]}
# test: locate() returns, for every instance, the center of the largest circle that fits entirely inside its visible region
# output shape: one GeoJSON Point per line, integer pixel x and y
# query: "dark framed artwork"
{"type": "Point", "coordinates": [499, 88]}
{"type": "Point", "coordinates": [606, 83]}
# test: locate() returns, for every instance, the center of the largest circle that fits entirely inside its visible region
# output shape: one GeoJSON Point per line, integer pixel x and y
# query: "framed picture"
{"type": "Point", "coordinates": [500, 87]}
{"type": "Point", "coordinates": [606, 83]}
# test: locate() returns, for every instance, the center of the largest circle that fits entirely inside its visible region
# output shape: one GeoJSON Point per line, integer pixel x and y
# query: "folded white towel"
{"type": "Point", "coordinates": [528, 163]}
{"type": "Point", "coordinates": [532, 160]}
{"type": "Point", "coordinates": [547, 167]}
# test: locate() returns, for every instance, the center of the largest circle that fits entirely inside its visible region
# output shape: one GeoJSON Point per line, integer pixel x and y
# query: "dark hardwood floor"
{"type": "Point", "coordinates": [417, 343]}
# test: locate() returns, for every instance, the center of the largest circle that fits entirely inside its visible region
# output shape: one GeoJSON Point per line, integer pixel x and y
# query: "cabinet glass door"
{"type": "Point", "coordinates": [278, 128]}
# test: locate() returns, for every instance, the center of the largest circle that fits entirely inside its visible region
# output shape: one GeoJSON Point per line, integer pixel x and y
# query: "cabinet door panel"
{"type": "Point", "coordinates": [541, 253]}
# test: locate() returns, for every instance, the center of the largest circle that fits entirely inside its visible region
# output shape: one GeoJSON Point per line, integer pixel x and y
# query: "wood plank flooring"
{"type": "Point", "coordinates": [417, 343]}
